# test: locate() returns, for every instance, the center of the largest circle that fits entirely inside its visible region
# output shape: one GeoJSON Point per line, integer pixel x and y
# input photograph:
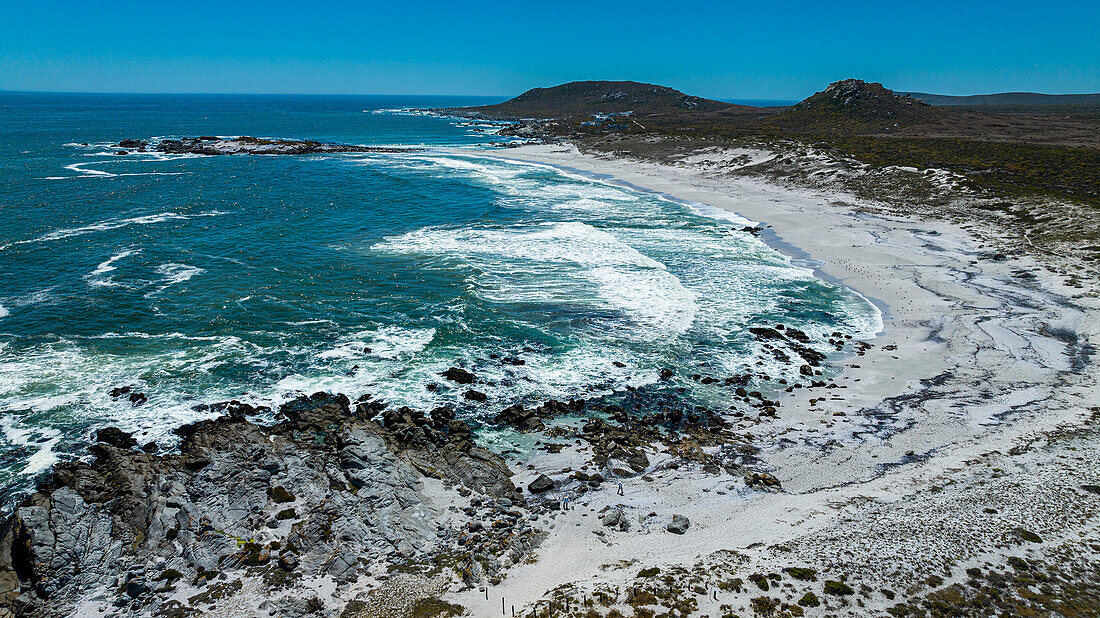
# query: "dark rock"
{"type": "Point", "coordinates": [666, 374]}
{"type": "Point", "coordinates": [115, 437]}
{"type": "Point", "coordinates": [92, 518]}
{"type": "Point", "coordinates": [541, 484]}
{"type": "Point", "coordinates": [461, 376]}
{"type": "Point", "coordinates": [764, 333]}
{"type": "Point", "coordinates": [236, 409]}
{"type": "Point", "coordinates": [135, 589]}
{"type": "Point", "coordinates": [520, 418]}
{"type": "Point", "coordinates": [615, 518]}
{"type": "Point", "coordinates": [288, 562]}
{"type": "Point", "coordinates": [678, 525]}
{"type": "Point", "coordinates": [119, 391]}
{"type": "Point", "coordinates": [797, 335]}
{"type": "Point", "coordinates": [138, 398]}
{"type": "Point", "coordinates": [477, 396]}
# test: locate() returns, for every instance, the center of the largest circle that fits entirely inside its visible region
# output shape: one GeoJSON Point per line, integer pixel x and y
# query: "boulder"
{"type": "Point", "coordinates": [461, 376]}
{"type": "Point", "coordinates": [678, 525]}
{"type": "Point", "coordinates": [542, 484]}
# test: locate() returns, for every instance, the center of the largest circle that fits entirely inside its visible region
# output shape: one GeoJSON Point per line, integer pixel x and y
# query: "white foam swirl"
{"type": "Point", "coordinates": [96, 278]}
{"type": "Point", "coordinates": [112, 224]}
{"type": "Point", "coordinates": [567, 263]}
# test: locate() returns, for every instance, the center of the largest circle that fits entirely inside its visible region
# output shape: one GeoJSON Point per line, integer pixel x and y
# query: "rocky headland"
{"type": "Point", "coordinates": [209, 145]}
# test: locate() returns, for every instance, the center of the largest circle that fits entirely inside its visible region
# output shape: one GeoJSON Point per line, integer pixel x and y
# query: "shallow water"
{"type": "Point", "coordinates": [198, 279]}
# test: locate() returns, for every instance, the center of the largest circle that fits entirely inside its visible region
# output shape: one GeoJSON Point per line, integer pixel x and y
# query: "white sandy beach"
{"type": "Point", "coordinates": [889, 478]}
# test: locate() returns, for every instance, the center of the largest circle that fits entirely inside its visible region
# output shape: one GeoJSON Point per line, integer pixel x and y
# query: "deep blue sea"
{"type": "Point", "coordinates": [196, 279]}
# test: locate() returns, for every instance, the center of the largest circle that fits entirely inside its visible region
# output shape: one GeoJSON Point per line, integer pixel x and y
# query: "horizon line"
{"type": "Point", "coordinates": [405, 94]}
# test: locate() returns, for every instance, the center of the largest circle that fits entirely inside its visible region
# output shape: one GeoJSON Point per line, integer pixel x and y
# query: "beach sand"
{"type": "Point", "coordinates": [965, 423]}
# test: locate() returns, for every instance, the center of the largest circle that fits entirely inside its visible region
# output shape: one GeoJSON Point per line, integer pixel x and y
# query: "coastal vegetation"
{"type": "Point", "coordinates": [1006, 151]}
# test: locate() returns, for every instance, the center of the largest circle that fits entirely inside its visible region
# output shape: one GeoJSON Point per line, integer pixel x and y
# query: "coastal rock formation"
{"type": "Point", "coordinates": [209, 145]}
{"type": "Point", "coordinates": [321, 493]}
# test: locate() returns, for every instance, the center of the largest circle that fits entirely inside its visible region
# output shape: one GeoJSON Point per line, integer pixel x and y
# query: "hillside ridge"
{"type": "Point", "coordinates": [584, 98]}
{"type": "Point", "coordinates": [1005, 99]}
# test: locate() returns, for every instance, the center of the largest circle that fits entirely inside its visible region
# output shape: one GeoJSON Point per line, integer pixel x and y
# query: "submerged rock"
{"type": "Point", "coordinates": [459, 375]}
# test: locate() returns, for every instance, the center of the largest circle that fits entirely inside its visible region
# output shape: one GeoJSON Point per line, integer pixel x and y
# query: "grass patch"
{"type": "Point", "coordinates": [837, 588]}
{"type": "Point", "coordinates": [433, 607]}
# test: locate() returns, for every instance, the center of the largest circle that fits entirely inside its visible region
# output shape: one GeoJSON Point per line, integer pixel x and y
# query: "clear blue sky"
{"type": "Point", "coordinates": [757, 49]}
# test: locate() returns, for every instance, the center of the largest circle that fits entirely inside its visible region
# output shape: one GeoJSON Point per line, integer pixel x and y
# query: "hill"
{"type": "Point", "coordinates": [860, 100]}
{"type": "Point", "coordinates": [584, 98]}
{"type": "Point", "coordinates": [1006, 99]}
{"type": "Point", "coordinates": [1009, 150]}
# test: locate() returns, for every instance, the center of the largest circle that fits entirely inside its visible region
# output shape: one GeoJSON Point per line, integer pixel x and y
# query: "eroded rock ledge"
{"type": "Point", "coordinates": [323, 492]}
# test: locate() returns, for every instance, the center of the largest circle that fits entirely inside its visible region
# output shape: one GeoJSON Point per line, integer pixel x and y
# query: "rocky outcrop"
{"type": "Point", "coordinates": [209, 145]}
{"type": "Point", "coordinates": [859, 99]}
{"type": "Point", "coordinates": [459, 375]}
{"type": "Point", "coordinates": [519, 417]}
{"type": "Point", "coordinates": [321, 492]}
{"type": "Point", "coordinates": [531, 419]}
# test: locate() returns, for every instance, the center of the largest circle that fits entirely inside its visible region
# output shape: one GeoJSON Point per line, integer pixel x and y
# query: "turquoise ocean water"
{"type": "Point", "coordinates": [198, 279]}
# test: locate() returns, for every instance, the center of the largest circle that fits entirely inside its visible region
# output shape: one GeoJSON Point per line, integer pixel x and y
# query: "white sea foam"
{"type": "Point", "coordinates": [112, 224]}
{"type": "Point", "coordinates": [387, 342]}
{"type": "Point", "coordinates": [4, 312]}
{"type": "Point", "coordinates": [96, 278]}
{"type": "Point", "coordinates": [86, 172]}
{"type": "Point", "coordinates": [173, 273]}
{"type": "Point", "coordinates": [393, 342]}
{"type": "Point", "coordinates": [42, 438]}
{"type": "Point", "coordinates": [567, 263]}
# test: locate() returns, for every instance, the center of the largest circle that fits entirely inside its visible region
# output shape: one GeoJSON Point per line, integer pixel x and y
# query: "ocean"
{"type": "Point", "coordinates": [197, 279]}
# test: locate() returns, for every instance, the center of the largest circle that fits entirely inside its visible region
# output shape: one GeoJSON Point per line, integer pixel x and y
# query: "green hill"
{"type": "Point", "coordinates": [582, 99]}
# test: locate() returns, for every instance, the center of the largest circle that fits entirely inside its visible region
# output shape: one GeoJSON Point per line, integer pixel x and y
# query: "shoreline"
{"type": "Point", "coordinates": [960, 439]}
{"type": "Point", "coordinates": [902, 392]}
{"type": "Point", "coordinates": [764, 230]}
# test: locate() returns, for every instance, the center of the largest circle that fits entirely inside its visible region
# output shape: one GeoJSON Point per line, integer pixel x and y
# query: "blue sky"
{"type": "Point", "coordinates": [782, 50]}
